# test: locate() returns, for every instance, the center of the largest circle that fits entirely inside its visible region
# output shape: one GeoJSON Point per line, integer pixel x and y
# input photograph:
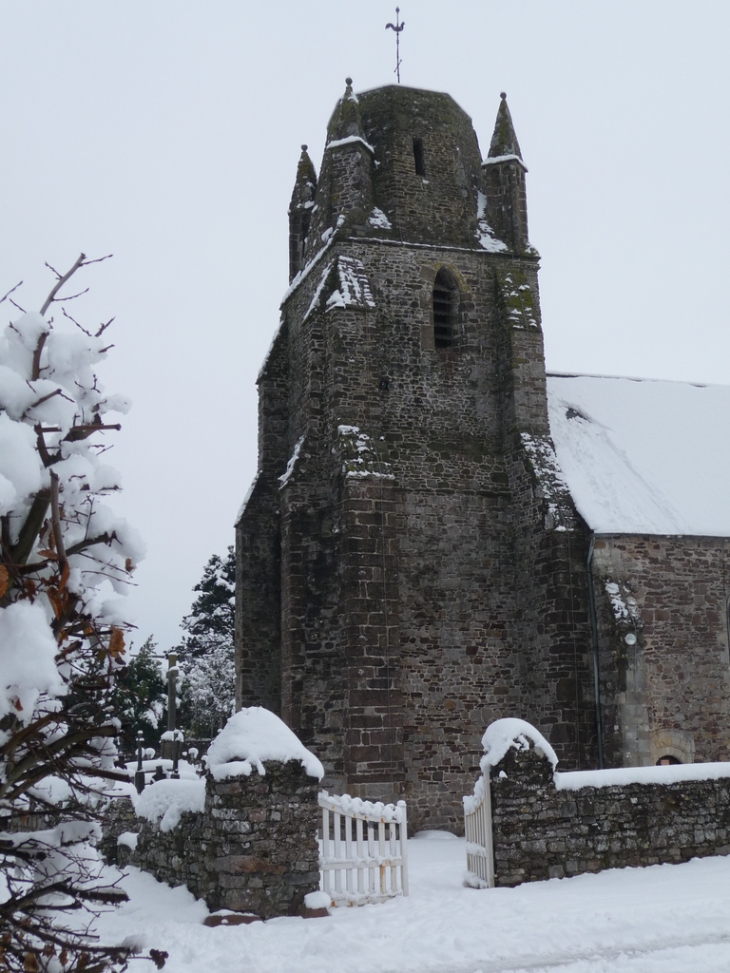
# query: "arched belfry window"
{"type": "Point", "coordinates": [445, 309]}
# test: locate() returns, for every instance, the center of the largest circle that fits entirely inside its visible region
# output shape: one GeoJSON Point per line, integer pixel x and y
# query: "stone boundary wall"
{"type": "Point", "coordinates": [252, 849]}
{"type": "Point", "coordinates": [542, 830]}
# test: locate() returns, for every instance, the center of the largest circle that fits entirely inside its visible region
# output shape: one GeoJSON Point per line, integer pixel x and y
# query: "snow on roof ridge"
{"type": "Point", "coordinates": [636, 378]}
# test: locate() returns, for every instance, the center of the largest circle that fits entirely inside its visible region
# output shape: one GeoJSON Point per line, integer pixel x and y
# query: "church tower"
{"type": "Point", "coordinates": [408, 554]}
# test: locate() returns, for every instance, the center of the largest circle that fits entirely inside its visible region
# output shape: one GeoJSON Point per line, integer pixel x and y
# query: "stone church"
{"type": "Point", "coordinates": [439, 533]}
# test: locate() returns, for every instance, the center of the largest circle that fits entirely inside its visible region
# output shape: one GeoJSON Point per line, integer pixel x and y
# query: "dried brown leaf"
{"type": "Point", "coordinates": [30, 963]}
{"type": "Point", "coordinates": [116, 643]}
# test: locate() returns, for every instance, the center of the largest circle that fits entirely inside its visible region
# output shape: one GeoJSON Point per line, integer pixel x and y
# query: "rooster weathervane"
{"type": "Point", "coordinates": [397, 27]}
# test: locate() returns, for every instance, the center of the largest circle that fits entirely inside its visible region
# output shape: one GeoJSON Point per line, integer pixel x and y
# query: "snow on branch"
{"type": "Point", "coordinates": [63, 552]}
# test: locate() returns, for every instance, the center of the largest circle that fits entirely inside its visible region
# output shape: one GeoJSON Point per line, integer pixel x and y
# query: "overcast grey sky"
{"type": "Point", "coordinates": [167, 132]}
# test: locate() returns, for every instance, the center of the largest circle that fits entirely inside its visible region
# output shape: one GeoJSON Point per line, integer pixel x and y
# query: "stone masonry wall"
{"type": "Point", "coordinates": [668, 694]}
{"type": "Point", "coordinates": [253, 849]}
{"type": "Point", "coordinates": [541, 832]}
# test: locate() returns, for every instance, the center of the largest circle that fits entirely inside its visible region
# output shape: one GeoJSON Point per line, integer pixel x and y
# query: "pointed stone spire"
{"type": "Point", "coordinates": [305, 184]}
{"type": "Point", "coordinates": [504, 141]}
{"type": "Point", "coordinates": [300, 211]}
{"type": "Point", "coordinates": [344, 196]}
{"type": "Point", "coordinates": [345, 121]}
{"type": "Point", "coordinates": [504, 183]}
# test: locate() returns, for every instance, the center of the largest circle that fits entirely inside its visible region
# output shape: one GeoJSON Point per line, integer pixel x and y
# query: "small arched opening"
{"type": "Point", "coordinates": [445, 309]}
{"type": "Point", "coordinates": [667, 760]}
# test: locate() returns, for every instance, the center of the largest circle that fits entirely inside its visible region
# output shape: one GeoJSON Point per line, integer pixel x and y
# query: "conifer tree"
{"type": "Point", "coordinates": [139, 697]}
{"type": "Point", "coordinates": [206, 650]}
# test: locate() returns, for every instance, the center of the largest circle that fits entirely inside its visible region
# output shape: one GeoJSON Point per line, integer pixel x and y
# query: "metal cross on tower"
{"type": "Point", "coordinates": [397, 27]}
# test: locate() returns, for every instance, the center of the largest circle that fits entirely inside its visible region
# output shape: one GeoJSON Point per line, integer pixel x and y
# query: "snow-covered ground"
{"type": "Point", "coordinates": [668, 918]}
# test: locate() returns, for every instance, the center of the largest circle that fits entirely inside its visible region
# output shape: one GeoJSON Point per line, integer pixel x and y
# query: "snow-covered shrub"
{"type": "Point", "coordinates": [64, 557]}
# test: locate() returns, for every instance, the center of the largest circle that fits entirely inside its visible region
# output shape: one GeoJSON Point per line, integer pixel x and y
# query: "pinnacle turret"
{"type": "Point", "coordinates": [504, 141]}
{"type": "Point", "coordinates": [300, 211]}
{"type": "Point", "coordinates": [306, 180]}
{"type": "Point", "coordinates": [504, 182]}
{"type": "Point", "coordinates": [345, 121]}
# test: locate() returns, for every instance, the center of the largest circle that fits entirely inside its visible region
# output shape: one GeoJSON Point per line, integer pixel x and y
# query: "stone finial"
{"type": "Point", "coordinates": [504, 141]}
{"type": "Point", "coordinates": [306, 180]}
{"type": "Point", "coordinates": [300, 211]}
{"type": "Point", "coordinates": [345, 120]}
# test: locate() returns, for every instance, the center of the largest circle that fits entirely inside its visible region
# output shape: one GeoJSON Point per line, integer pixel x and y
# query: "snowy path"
{"type": "Point", "coordinates": [673, 919]}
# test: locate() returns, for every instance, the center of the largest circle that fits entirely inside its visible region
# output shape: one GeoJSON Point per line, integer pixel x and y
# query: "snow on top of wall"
{"type": "Point", "coordinates": [349, 140]}
{"type": "Point", "coordinates": [574, 780]}
{"type": "Point", "coordinates": [495, 160]}
{"type": "Point", "coordinates": [250, 738]}
{"type": "Point", "coordinates": [643, 456]}
{"type": "Point", "coordinates": [501, 735]}
{"type": "Point", "coordinates": [165, 801]}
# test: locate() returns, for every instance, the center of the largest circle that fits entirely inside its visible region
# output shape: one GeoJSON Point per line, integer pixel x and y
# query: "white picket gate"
{"type": "Point", "coordinates": [363, 850]}
{"type": "Point", "coordinates": [478, 831]}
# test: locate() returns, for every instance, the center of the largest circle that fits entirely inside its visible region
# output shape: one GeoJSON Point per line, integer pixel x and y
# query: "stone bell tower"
{"type": "Point", "coordinates": [407, 554]}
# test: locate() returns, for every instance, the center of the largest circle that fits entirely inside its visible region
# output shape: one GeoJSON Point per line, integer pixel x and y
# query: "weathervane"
{"type": "Point", "coordinates": [397, 27]}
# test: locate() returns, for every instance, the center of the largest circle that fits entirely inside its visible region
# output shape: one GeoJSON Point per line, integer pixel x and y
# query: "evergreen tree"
{"type": "Point", "coordinates": [206, 650]}
{"type": "Point", "coordinates": [140, 697]}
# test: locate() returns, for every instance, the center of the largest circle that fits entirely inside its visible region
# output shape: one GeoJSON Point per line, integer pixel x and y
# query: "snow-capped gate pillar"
{"type": "Point", "coordinates": [553, 825]}
{"type": "Point", "coordinates": [244, 839]}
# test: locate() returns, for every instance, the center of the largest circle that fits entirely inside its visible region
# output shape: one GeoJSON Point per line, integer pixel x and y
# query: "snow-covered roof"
{"type": "Point", "coordinates": [641, 456]}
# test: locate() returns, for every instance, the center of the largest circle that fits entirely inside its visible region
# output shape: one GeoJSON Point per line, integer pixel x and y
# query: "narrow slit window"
{"type": "Point", "coordinates": [418, 157]}
{"type": "Point", "coordinates": [445, 304]}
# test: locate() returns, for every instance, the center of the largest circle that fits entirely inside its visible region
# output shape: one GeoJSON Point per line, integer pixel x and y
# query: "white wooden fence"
{"type": "Point", "coordinates": [363, 851]}
{"type": "Point", "coordinates": [478, 831]}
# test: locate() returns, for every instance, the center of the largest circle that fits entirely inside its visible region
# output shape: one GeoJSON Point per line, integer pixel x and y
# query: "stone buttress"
{"type": "Point", "coordinates": [410, 565]}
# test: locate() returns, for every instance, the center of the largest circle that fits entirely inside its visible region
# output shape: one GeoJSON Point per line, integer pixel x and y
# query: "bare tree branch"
{"type": "Point", "coordinates": [73, 319]}
{"type": "Point", "coordinates": [98, 260]}
{"type": "Point", "coordinates": [31, 527]}
{"type": "Point", "coordinates": [103, 328]}
{"type": "Point", "coordinates": [61, 281]}
{"type": "Point", "coordinates": [56, 516]}
{"type": "Point", "coordinates": [87, 429]}
{"type": "Point", "coordinates": [5, 296]}
{"type": "Point", "coordinates": [36, 370]}
{"type": "Point", "coordinates": [71, 297]}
